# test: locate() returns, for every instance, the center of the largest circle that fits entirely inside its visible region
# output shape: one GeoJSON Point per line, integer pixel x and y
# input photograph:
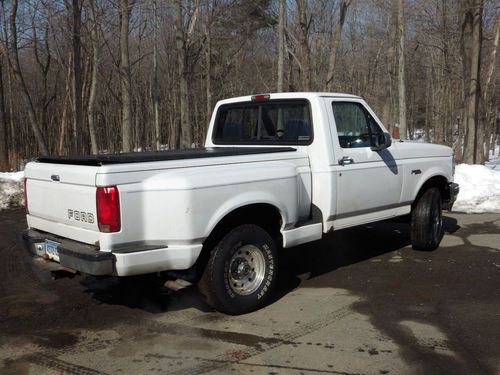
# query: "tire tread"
{"type": "Point", "coordinates": [207, 285]}
{"type": "Point", "coordinates": [420, 232]}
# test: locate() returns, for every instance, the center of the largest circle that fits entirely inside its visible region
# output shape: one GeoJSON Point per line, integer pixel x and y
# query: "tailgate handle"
{"type": "Point", "coordinates": [55, 177]}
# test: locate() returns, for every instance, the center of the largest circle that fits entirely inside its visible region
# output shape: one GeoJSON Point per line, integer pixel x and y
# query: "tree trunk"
{"type": "Point", "coordinates": [93, 84]}
{"type": "Point", "coordinates": [66, 104]}
{"type": "Point", "coordinates": [487, 110]}
{"type": "Point", "coordinates": [401, 71]}
{"type": "Point", "coordinates": [4, 144]}
{"type": "Point", "coordinates": [156, 101]}
{"type": "Point", "coordinates": [305, 52]}
{"type": "Point", "coordinates": [9, 124]}
{"type": "Point", "coordinates": [125, 82]}
{"type": "Point", "coordinates": [388, 109]}
{"type": "Point", "coordinates": [180, 42]}
{"type": "Point", "coordinates": [448, 117]}
{"type": "Point", "coordinates": [281, 45]}
{"type": "Point", "coordinates": [16, 68]}
{"type": "Point", "coordinates": [77, 78]}
{"type": "Point", "coordinates": [14, 157]}
{"type": "Point", "coordinates": [208, 62]}
{"type": "Point", "coordinates": [290, 73]}
{"type": "Point", "coordinates": [493, 57]}
{"type": "Point", "coordinates": [185, 125]}
{"type": "Point", "coordinates": [337, 35]}
{"type": "Point", "coordinates": [471, 52]}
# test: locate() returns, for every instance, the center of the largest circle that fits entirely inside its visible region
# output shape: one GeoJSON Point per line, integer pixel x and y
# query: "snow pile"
{"type": "Point", "coordinates": [11, 190]}
{"type": "Point", "coordinates": [479, 188]}
{"type": "Point", "coordinates": [494, 163]}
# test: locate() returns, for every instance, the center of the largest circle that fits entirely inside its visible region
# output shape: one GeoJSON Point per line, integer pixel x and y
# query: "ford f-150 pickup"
{"type": "Point", "coordinates": [277, 170]}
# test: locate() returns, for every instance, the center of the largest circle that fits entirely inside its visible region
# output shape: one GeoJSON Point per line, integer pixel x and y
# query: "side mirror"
{"type": "Point", "coordinates": [381, 142]}
{"type": "Point", "coordinates": [387, 140]}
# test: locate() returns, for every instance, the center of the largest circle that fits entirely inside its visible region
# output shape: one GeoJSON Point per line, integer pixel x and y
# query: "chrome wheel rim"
{"type": "Point", "coordinates": [247, 268]}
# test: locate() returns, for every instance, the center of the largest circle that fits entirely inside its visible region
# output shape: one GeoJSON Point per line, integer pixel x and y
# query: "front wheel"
{"type": "Point", "coordinates": [427, 221]}
{"type": "Point", "coordinates": [241, 272]}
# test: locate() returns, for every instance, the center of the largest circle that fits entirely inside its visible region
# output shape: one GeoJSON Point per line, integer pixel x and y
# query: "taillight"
{"type": "Point", "coordinates": [26, 196]}
{"type": "Point", "coordinates": [108, 209]}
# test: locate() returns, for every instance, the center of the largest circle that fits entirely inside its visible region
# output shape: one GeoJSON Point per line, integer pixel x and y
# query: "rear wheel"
{"type": "Point", "coordinates": [241, 272]}
{"type": "Point", "coordinates": [427, 221]}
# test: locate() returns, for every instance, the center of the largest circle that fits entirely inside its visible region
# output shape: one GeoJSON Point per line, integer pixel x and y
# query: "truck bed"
{"type": "Point", "coordinates": [137, 157]}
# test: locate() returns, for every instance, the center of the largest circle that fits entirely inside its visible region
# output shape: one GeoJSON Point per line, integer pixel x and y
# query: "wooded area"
{"type": "Point", "coordinates": [96, 76]}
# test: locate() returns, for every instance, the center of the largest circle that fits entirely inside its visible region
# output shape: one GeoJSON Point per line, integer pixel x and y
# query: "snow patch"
{"type": "Point", "coordinates": [479, 188]}
{"type": "Point", "coordinates": [11, 176]}
{"type": "Point", "coordinates": [494, 161]}
{"type": "Point", "coordinates": [11, 190]}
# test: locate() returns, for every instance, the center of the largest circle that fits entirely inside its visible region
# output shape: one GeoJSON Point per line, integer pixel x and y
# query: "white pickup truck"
{"type": "Point", "coordinates": [277, 170]}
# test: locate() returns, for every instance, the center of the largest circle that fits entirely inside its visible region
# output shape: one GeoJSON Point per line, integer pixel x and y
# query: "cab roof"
{"type": "Point", "coordinates": [291, 95]}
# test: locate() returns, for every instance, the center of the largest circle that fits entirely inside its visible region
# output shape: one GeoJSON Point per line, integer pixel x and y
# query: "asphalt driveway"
{"type": "Point", "coordinates": [360, 301]}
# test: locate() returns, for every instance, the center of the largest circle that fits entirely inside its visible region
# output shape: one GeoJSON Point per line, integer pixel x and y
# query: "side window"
{"type": "Point", "coordinates": [355, 126]}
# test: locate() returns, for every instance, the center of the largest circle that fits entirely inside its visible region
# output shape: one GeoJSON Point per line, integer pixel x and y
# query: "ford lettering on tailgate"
{"type": "Point", "coordinates": [85, 217]}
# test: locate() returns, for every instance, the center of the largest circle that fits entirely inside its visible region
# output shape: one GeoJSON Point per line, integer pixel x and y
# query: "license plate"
{"type": "Point", "coordinates": [51, 249]}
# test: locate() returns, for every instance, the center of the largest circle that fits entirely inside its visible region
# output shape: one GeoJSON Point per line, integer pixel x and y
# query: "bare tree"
{"type": "Point", "coordinates": [337, 35]}
{"type": "Point", "coordinates": [488, 118]}
{"type": "Point", "coordinates": [183, 42]}
{"type": "Point", "coordinates": [401, 70]}
{"type": "Point", "coordinates": [76, 9]}
{"type": "Point", "coordinates": [493, 57]}
{"type": "Point", "coordinates": [208, 58]}
{"type": "Point", "coordinates": [185, 129]}
{"type": "Point", "coordinates": [281, 45]}
{"type": "Point", "coordinates": [65, 109]}
{"type": "Point", "coordinates": [43, 60]}
{"type": "Point", "coordinates": [9, 111]}
{"type": "Point", "coordinates": [472, 23]}
{"type": "Point", "coordinates": [305, 52]}
{"type": "Point", "coordinates": [237, 41]}
{"type": "Point", "coordinates": [94, 38]}
{"type": "Point", "coordinates": [4, 146]}
{"type": "Point", "coordinates": [125, 81]}
{"type": "Point", "coordinates": [16, 69]}
{"type": "Point", "coordinates": [155, 88]}
{"type": "Point", "coordinates": [389, 88]}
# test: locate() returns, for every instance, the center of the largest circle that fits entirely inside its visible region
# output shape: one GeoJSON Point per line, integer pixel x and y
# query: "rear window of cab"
{"type": "Point", "coordinates": [275, 122]}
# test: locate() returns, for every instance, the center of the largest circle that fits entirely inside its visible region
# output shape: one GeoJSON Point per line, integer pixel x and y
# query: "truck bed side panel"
{"type": "Point", "coordinates": [182, 206]}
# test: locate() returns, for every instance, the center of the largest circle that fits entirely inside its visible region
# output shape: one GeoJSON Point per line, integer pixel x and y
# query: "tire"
{"type": "Point", "coordinates": [241, 271]}
{"type": "Point", "coordinates": [427, 221]}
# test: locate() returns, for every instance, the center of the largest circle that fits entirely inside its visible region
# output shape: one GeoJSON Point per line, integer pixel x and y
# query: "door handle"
{"type": "Point", "coordinates": [346, 160]}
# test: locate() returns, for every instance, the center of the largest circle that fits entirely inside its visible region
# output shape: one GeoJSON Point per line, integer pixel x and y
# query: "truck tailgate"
{"type": "Point", "coordinates": [62, 200]}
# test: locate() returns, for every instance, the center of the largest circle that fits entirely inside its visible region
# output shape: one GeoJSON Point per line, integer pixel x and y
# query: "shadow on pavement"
{"type": "Point", "coordinates": [346, 247]}
{"type": "Point", "coordinates": [410, 297]}
{"type": "Point", "coordinates": [146, 293]}
{"type": "Point", "coordinates": [340, 249]}
{"type": "Point", "coordinates": [336, 250]}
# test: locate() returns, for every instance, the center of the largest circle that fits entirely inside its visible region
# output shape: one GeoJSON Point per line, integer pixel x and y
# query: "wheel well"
{"type": "Point", "coordinates": [439, 182]}
{"type": "Point", "coordinates": [265, 215]}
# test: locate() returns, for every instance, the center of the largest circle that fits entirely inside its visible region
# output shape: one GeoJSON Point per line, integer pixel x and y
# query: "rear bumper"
{"type": "Point", "coordinates": [452, 191]}
{"type": "Point", "coordinates": [72, 254]}
{"type": "Point", "coordinates": [126, 261]}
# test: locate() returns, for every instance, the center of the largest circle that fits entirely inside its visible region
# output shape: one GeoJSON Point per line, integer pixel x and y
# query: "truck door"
{"type": "Point", "coordinates": [368, 182]}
